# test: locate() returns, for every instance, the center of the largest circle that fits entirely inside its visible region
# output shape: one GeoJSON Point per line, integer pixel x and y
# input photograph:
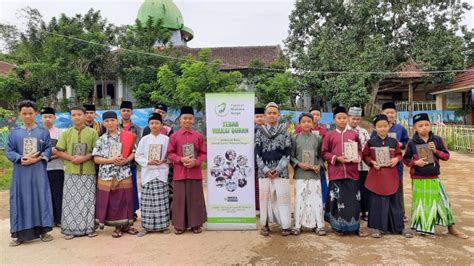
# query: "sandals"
{"type": "Point", "coordinates": [362, 233]}
{"type": "Point", "coordinates": [15, 243]}
{"type": "Point", "coordinates": [296, 232]}
{"type": "Point", "coordinates": [286, 232]}
{"type": "Point", "coordinates": [320, 231]}
{"type": "Point", "coordinates": [46, 237]}
{"type": "Point", "coordinates": [197, 230]}
{"type": "Point", "coordinates": [142, 233]}
{"type": "Point", "coordinates": [430, 236]}
{"type": "Point", "coordinates": [376, 234]}
{"type": "Point", "coordinates": [69, 237]}
{"type": "Point", "coordinates": [91, 235]}
{"type": "Point", "coordinates": [129, 230]}
{"type": "Point", "coordinates": [117, 233]}
{"type": "Point", "coordinates": [265, 231]}
{"type": "Point", "coordinates": [178, 231]}
{"type": "Point", "coordinates": [407, 233]}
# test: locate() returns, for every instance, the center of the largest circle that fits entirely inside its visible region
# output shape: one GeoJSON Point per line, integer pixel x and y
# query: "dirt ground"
{"type": "Point", "coordinates": [232, 247]}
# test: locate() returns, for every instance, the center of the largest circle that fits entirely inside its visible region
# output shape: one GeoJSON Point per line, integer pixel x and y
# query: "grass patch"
{"type": "Point", "coordinates": [6, 169]}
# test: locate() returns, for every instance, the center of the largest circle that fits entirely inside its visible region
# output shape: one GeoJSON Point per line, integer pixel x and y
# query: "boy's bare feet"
{"type": "Point", "coordinates": [455, 232]}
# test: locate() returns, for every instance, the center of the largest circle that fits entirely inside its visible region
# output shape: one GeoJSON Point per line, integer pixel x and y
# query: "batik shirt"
{"type": "Point", "coordinates": [109, 171]}
{"type": "Point", "coordinates": [273, 150]}
{"type": "Point", "coordinates": [363, 137]}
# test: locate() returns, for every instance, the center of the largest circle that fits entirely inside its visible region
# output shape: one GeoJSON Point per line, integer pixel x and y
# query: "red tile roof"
{"type": "Point", "coordinates": [236, 58]}
{"type": "Point", "coordinates": [464, 79]}
{"type": "Point", "coordinates": [410, 69]}
{"type": "Point", "coordinates": [5, 67]}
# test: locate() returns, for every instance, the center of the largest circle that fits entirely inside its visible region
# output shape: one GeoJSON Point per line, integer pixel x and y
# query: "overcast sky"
{"type": "Point", "coordinates": [214, 22]}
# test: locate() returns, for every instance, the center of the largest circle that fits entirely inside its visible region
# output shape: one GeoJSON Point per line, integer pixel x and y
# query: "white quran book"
{"type": "Point", "coordinates": [382, 155]}
{"type": "Point", "coordinates": [115, 149]}
{"type": "Point", "coordinates": [308, 157]}
{"type": "Point", "coordinates": [79, 149]}
{"type": "Point", "coordinates": [424, 151]}
{"type": "Point", "coordinates": [30, 145]}
{"type": "Point", "coordinates": [351, 151]}
{"type": "Point", "coordinates": [188, 150]}
{"type": "Point", "coordinates": [155, 151]}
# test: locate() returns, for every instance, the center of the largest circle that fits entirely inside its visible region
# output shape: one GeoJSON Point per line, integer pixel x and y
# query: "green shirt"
{"type": "Point", "coordinates": [303, 145]}
{"type": "Point", "coordinates": [66, 143]}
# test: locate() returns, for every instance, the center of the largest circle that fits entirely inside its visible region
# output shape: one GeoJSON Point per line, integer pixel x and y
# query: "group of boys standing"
{"type": "Point", "coordinates": [365, 174]}
{"type": "Point", "coordinates": [84, 178]}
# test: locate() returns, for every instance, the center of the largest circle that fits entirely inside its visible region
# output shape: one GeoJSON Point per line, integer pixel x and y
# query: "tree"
{"type": "Point", "coordinates": [272, 85]}
{"type": "Point", "coordinates": [9, 90]}
{"type": "Point", "coordinates": [65, 51]}
{"type": "Point", "coordinates": [194, 80]}
{"type": "Point", "coordinates": [373, 36]}
{"type": "Point", "coordinates": [139, 69]}
{"type": "Point", "coordinates": [40, 81]}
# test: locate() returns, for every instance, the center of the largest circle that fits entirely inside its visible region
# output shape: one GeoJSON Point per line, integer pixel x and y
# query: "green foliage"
{"type": "Point", "coordinates": [40, 80]}
{"type": "Point", "coordinates": [9, 90]}
{"type": "Point", "coordinates": [194, 80]}
{"type": "Point", "coordinates": [279, 88]}
{"type": "Point", "coordinates": [373, 36]}
{"type": "Point", "coordinates": [84, 86]}
{"type": "Point", "coordinates": [138, 69]}
{"type": "Point", "coordinates": [6, 171]}
{"type": "Point", "coordinates": [273, 86]}
{"type": "Point", "coordinates": [47, 60]}
{"type": "Point", "coordinates": [4, 113]}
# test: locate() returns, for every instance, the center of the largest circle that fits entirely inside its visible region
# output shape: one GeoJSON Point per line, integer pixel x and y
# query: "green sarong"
{"type": "Point", "coordinates": [430, 206]}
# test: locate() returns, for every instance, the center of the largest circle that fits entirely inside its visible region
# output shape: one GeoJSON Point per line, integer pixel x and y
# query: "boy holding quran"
{"type": "Point", "coordinates": [151, 155]}
{"type": "Point", "coordinates": [187, 151]}
{"type": "Point", "coordinates": [342, 150]}
{"type": "Point", "coordinates": [75, 148]}
{"type": "Point", "coordinates": [430, 202]}
{"type": "Point", "coordinates": [382, 154]}
{"type": "Point", "coordinates": [29, 149]}
{"type": "Point", "coordinates": [114, 151]}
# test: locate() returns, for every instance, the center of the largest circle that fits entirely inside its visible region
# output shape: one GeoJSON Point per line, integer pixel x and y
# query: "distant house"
{"type": "Point", "coordinates": [457, 95]}
{"type": "Point", "coordinates": [406, 85]}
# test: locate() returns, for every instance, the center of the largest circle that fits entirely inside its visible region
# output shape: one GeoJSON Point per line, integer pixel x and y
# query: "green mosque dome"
{"type": "Point", "coordinates": [168, 12]}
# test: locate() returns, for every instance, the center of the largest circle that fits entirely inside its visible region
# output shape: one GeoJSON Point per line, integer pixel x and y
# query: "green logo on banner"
{"type": "Point", "coordinates": [221, 109]}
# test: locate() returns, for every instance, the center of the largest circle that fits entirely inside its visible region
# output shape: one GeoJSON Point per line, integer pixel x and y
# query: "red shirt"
{"type": "Point", "coordinates": [321, 130]}
{"type": "Point", "coordinates": [384, 181]}
{"type": "Point", "coordinates": [175, 153]}
{"type": "Point", "coordinates": [127, 127]}
{"type": "Point", "coordinates": [333, 146]}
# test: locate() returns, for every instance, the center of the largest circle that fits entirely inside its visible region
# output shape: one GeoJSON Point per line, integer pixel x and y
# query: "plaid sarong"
{"type": "Point", "coordinates": [155, 206]}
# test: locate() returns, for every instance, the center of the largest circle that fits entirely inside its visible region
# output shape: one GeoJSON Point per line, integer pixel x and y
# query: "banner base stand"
{"type": "Point", "coordinates": [231, 227]}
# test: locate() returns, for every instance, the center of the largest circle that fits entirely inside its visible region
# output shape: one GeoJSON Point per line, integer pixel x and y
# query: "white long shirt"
{"type": "Point", "coordinates": [150, 172]}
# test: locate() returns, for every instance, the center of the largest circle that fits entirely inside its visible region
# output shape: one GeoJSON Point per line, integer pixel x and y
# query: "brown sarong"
{"type": "Point", "coordinates": [189, 207]}
{"type": "Point", "coordinates": [114, 202]}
